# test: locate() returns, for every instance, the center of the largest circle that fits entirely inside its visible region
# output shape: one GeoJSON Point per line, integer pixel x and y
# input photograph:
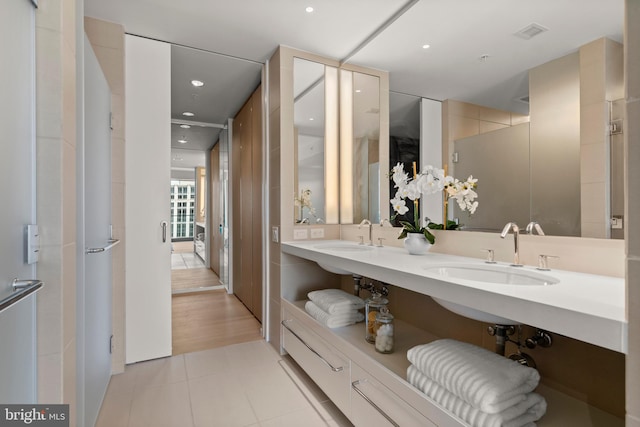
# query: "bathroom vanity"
{"type": "Point", "coordinates": [369, 387]}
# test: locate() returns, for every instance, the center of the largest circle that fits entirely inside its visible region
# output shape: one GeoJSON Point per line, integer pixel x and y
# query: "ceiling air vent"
{"type": "Point", "coordinates": [531, 31]}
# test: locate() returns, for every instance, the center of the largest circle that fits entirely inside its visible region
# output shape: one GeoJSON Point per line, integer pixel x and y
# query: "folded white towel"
{"type": "Point", "coordinates": [524, 413]}
{"type": "Point", "coordinates": [333, 320]}
{"type": "Point", "coordinates": [483, 379]}
{"type": "Point", "coordinates": [335, 300]}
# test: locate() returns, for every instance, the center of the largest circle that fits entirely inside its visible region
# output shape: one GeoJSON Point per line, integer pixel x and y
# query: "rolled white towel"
{"type": "Point", "coordinates": [483, 379]}
{"type": "Point", "coordinates": [526, 412]}
{"type": "Point", "coordinates": [335, 300]}
{"type": "Point", "coordinates": [337, 320]}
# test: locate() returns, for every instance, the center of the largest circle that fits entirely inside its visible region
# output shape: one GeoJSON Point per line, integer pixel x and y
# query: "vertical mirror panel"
{"type": "Point", "coordinates": [310, 189]}
{"type": "Point", "coordinates": [360, 147]}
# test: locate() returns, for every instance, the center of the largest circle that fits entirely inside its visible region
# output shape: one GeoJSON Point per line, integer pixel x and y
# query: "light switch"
{"type": "Point", "coordinates": [275, 234]}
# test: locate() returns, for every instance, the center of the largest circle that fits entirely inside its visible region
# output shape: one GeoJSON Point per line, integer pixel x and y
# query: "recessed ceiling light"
{"type": "Point", "coordinates": [185, 126]}
{"type": "Point", "coordinates": [426, 46]}
{"type": "Point", "coordinates": [182, 141]}
{"type": "Point", "coordinates": [311, 119]}
{"type": "Point", "coordinates": [197, 83]}
{"type": "Point", "coordinates": [309, 9]}
{"type": "Point", "coordinates": [358, 91]}
{"type": "Point", "coordinates": [188, 114]}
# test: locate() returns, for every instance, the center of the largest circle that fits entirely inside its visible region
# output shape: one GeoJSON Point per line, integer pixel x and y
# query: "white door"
{"type": "Point", "coordinates": [17, 189]}
{"type": "Point", "coordinates": [147, 202]}
{"type": "Point", "coordinates": [94, 292]}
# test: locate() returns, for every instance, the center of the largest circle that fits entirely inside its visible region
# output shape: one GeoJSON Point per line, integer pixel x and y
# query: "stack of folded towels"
{"type": "Point", "coordinates": [480, 387]}
{"type": "Point", "coordinates": [334, 308]}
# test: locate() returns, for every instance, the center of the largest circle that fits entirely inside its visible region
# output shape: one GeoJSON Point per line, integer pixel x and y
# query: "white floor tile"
{"type": "Point", "coordinates": [271, 392]}
{"type": "Point", "coordinates": [219, 400]}
{"type": "Point", "coordinates": [167, 370]}
{"type": "Point", "coordinates": [244, 385]}
{"type": "Point", "coordinates": [253, 353]}
{"type": "Point", "coordinates": [207, 362]}
{"type": "Point", "coordinates": [115, 409]}
{"type": "Point", "coordinates": [161, 406]}
{"type": "Point", "coordinates": [306, 417]}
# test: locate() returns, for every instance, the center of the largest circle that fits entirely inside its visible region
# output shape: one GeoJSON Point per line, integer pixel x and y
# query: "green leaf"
{"type": "Point", "coordinates": [403, 234]}
{"type": "Point", "coordinates": [430, 237]}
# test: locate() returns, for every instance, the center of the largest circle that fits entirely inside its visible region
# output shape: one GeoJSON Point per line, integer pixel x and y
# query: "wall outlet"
{"type": "Point", "coordinates": [300, 234]}
{"type": "Point", "coordinates": [317, 233]}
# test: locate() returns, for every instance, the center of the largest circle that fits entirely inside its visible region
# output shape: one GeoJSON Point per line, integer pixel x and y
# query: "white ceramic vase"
{"type": "Point", "coordinates": [416, 244]}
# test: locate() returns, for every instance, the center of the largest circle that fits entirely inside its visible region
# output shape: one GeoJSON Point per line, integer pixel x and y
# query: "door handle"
{"type": "Point", "coordinates": [164, 231]}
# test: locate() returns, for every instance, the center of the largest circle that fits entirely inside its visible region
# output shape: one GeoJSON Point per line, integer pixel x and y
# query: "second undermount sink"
{"type": "Point", "coordinates": [496, 274]}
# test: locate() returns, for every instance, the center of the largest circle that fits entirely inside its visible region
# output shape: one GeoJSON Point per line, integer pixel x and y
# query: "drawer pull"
{"type": "Point", "coordinates": [333, 368]}
{"type": "Point", "coordinates": [354, 385]}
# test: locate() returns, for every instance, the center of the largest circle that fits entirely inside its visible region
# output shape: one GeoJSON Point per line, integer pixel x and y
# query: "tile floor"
{"type": "Point", "coordinates": [184, 260]}
{"type": "Point", "coordinates": [246, 384]}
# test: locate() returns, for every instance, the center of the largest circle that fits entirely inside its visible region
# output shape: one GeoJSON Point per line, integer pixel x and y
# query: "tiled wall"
{"type": "Point", "coordinates": [601, 81]}
{"type": "Point", "coordinates": [631, 130]}
{"type": "Point", "coordinates": [56, 199]}
{"type": "Point", "coordinates": [462, 119]}
{"type": "Point", "coordinates": [107, 41]}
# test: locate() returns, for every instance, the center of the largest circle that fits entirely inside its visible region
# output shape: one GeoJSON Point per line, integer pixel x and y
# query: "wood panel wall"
{"type": "Point", "coordinates": [216, 238]}
{"type": "Point", "coordinates": [246, 188]}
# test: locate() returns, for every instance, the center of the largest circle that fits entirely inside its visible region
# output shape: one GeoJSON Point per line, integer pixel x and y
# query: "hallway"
{"type": "Point", "coordinates": [246, 384]}
{"type": "Point", "coordinates": [205, 320]}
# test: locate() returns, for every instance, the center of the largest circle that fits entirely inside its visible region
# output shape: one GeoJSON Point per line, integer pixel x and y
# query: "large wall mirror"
{"type": "Point", "coordinates": [360, 174]}
{"type": "Point", "coordinates": [315, 148]}
{"type": "Point", "coordinates": [553, 161]}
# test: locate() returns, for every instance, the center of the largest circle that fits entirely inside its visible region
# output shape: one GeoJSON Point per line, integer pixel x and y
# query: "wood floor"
{"type": "Point", "coordinates": [191, 278]}
{"type": "Point", "coordinates": [211, 319]}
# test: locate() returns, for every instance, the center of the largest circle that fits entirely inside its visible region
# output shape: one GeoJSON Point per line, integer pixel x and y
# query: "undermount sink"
{"type": "Point", "coordinates": [340, 247]}
{"type": "Point", "coordinates": [496, 274]}
{"type": "Point", "coordinates": [500, 275]}
{"type": "Point", "coordinates": [474, 314]}
{"type": "Point", "coordinates": [346, 247]}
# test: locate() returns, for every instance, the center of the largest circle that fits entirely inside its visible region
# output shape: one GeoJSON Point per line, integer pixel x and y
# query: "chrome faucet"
{"type": "Point", "coordinates": [534, 226]}
{"type": "Point", "coordinates": [384, 221]}
{"type": "Point", "coordinates": [367, 222]}
{"type": "Point", "coordinates": [513, 226]}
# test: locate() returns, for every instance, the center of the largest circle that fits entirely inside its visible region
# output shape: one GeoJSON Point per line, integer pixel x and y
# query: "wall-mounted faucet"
{"type": "Point", "coordinates": [512, 226]}
{"type": "Point", "coordinates": [534, 226]}
{"type": "Point", "coordinates": [384, 221]}
{"type": "Point", "coordinates": [367, 222]}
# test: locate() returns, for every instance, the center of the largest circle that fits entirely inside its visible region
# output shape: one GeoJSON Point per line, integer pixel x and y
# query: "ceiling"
{"type": "Point", "coordinates": [224, 44]}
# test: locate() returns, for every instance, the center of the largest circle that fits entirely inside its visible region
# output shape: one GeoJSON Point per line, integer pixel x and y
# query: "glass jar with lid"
{"type": "Point", "coordinates": [384, 331]}
{"type": "Point", "coordinates": [372, 307]}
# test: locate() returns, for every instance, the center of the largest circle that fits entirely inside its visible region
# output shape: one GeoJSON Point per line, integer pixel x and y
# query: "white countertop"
{"type": "Point", "coordinates": [585, 307]}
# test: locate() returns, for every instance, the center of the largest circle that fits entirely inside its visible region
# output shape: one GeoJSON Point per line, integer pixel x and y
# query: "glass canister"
{"type": "Point", "coordinates": [384, 331]}
{"type": "Point", "coordinates": [372, 307]}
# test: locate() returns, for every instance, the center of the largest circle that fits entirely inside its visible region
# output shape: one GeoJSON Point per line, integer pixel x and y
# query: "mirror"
{"type": "Point", "coordinates": [562, 165]}
{"type": "Point", "coordinates": [359, 147]}
{"type": "Point", "coordinates": [580, 206]}
{"type": "Point", "coordinates": [312, 166]}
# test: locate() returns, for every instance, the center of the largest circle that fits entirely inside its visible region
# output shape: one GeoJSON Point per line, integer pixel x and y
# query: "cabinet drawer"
{"type": "Point", "coordinates": [373, 404]}
{"type": "Point", "coordinates": [323, 363]}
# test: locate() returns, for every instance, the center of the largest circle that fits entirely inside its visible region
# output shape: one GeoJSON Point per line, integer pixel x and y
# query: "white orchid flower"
{"type": "Point", "coordinates": [400, 206]}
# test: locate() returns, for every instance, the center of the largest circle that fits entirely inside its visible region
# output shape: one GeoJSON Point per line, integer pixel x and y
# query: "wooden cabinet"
{"type": "Point", "coordinates": [246, 189]}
